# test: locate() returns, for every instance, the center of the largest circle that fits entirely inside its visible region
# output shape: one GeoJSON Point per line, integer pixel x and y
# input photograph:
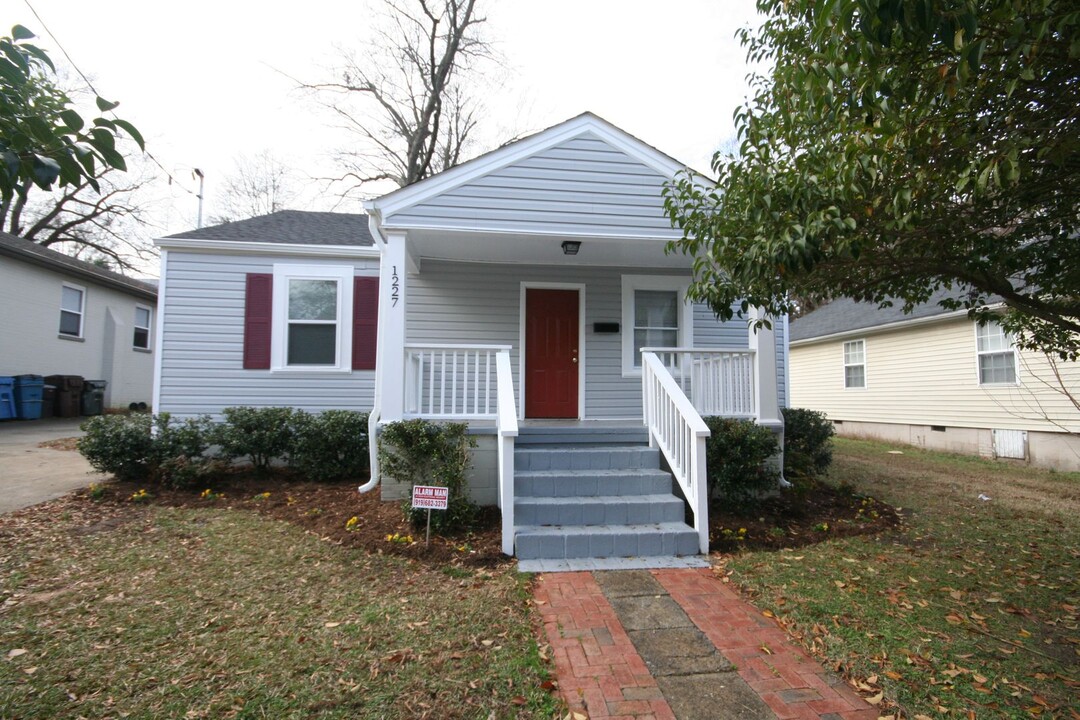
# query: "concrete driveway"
{"type": "Point", "coordinates": [30, 474]}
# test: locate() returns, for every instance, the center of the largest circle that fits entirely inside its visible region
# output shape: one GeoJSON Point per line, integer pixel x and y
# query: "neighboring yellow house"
{"type": "Point", "coordinates": [937, 380]}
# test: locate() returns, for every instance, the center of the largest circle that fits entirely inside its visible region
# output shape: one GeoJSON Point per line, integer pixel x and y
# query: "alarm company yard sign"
{"type": "Point", "coordinates": [430, 497]}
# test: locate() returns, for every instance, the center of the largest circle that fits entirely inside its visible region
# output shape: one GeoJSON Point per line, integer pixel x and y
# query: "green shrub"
{"type": "Point", "coordinates": [331, 446]}
{"type": "Point", "coordinates": [148, 447]}
{"type": "Point", "coordinates": [419, 452]}
{"type": "Point", "coordinates": [807, 443]}
{"type": "Point", "coordinates": [738, 458]}
{"type": "Point", "coordinates": [261, 435]}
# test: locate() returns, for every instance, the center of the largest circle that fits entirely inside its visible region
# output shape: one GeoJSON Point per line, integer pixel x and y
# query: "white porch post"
{"type": "Point", "coordinates": [391, 361]}
{"type": "Point", "coordinates": [763, 343]}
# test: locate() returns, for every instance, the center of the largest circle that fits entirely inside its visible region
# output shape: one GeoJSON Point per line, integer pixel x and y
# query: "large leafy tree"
{"type": "Point", "coordinates": [44, 141]}
{"type": "Point", "coordinates": [898, 147]}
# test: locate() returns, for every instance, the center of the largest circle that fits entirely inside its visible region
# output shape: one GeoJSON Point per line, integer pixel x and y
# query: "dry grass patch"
{"type": "Point", "coordinates": [151, 612]}
{"type": "Point", "coordinates": [968, 609]}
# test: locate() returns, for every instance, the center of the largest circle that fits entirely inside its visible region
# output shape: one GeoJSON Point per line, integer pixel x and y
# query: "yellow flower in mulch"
{"type": "Point", "coordinates": [352, 523]}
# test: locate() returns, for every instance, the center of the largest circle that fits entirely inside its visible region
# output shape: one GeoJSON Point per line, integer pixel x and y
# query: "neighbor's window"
{"type": "Point", "coordinates": [311, 305]}
{"type": "Point", "coordinates": [141, 339]}
{"type": "Point", "coordinates": [72, 304]}
{"type": "Point", "coordinates": [654, 315]}
{"type": "Point", "coordinates": [996, 355]}
{"type": "Point", "coordinates": [855, 364]}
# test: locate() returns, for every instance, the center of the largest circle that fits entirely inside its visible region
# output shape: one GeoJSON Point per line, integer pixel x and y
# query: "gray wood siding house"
{"type": "Point", "coordinates": [514, 292]}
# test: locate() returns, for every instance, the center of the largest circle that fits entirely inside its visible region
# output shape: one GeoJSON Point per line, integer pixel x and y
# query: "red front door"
{"type": "Point", "coordinates": [551, 353]}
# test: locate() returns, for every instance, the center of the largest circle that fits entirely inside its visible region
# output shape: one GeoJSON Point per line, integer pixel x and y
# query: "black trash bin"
{"type": "Point", "coordinates": [93, 397]}
{"type": "Point", "coordinates": [48, 401]}
{"type": "Point", "coordinates": [68, 392]}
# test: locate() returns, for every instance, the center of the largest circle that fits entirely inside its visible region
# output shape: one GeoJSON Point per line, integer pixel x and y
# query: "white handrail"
{"type": "Point", "coordinates": [451, 382]}
{"type": "Point", "coordinates": [678, 430]}
{"type": "Point", "coordinates": [506, 429]}
{"type": "Point", "coordinates": [718, 381]}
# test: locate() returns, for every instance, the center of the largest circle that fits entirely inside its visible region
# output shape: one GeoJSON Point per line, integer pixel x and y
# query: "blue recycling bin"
{"type": "Point", "coordinates": [29, 392]}
{"type": "Point", "coordinates": [7, 397]}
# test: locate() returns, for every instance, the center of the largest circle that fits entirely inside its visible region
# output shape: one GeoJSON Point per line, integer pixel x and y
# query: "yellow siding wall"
{"type": "Point", "coordinates": [928, 375]}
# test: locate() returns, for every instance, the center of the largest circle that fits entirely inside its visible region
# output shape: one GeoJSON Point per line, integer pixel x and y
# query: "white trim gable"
{"type": "Point", "coordinates": [395, 202]}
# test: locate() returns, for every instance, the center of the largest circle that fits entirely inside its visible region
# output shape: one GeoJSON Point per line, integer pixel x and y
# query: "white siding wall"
{"type": "Point", "coordinates": [202, 347]}
{"type": "Point", "coordinates": [30, 342]}
{"type": "Point", "coordinates": [582, 186]}
{"type": "Point", "coordinates": [927, 375]}
{"type": "Point", "coordinates": [480, 303]}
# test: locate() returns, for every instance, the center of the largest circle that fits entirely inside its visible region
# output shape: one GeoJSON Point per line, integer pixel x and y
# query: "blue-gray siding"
{"type": "Point", "coordinates": [582, 186]}
{"type": "Point", "coordinates": [202, 347]}
{"type": "Point", "coordinates": [470, 303]}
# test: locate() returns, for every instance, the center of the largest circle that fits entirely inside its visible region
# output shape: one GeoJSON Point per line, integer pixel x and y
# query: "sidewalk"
{"type": "Point", "coordinates": [679, 645]}
{"type": "Point", "coordinates": [30, 474]}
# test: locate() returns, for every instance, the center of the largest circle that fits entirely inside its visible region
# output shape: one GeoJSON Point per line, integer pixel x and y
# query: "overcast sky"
{"type": "Point", "coordinates": [206, 80]}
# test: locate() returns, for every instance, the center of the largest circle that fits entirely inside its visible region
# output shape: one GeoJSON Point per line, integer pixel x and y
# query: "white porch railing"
{"type": "Point", "coordinates": [444, 382]}
{"type": "Point", "coordinates": [680, 433]}
{"type": "Point", "coordinates": [717, 381]}
{"type": "Point", "coordinates": [506, 429]}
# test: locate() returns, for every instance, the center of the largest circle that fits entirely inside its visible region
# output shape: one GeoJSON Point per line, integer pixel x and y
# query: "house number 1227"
{"type": "Point", "coordinates": [395, 287]}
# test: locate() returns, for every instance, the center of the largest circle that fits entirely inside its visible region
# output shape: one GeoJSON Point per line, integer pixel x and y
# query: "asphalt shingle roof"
{"type": "Point", "coordinates": [294, 227]}
{"type": "Point", "coordinates": [17, 247]}
{"type": "Point", "coordinates": [845, 315]}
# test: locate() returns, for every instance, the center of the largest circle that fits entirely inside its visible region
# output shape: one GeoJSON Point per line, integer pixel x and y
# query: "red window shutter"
{"type": "Point", "coordinates": [258, 320]}
{"type": "Point", "coordinates": [365, 322]}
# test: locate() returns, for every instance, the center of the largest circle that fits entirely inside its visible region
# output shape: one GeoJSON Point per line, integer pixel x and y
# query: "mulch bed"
{"type": "Point", "coordinates": [802, 516]}
{"type": "Point", "coordinates": [325, 509]}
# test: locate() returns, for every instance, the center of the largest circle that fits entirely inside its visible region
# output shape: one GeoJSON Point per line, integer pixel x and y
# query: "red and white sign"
{"type": "Point", "coordinates": [430, 497]}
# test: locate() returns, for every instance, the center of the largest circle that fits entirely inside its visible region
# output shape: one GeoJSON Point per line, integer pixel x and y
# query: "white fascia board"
{"type": "Point", "coordinates": [899, 324]}
{"type": "Point", "coordinates": [398, 200]}
{"type": "Point", "coordinates": [473, 230]}
{"type": "Point", "coordinates": [243, 247]}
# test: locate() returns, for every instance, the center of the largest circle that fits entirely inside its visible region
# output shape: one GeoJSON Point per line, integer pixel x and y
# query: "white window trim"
{"type": "Point", "coordinates": [865, 375]}
{"type": "Point", "coordinates": [82, 310]}
{"type": "Point", "coordinates": [278, 346]}
{"type": "Point", "coordinates": [632, 283]}
{"type": "Point", "coordinates": [149, 327]}
{"type": "Point", "coordinates": [979, 353]}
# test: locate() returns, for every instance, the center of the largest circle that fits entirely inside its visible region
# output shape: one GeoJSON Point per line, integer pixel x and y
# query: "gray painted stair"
{"type": "Point", "coordinates": [593, 495]}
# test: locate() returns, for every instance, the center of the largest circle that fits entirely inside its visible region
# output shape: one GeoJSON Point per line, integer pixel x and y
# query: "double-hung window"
{"type": "Point", "coordinates": [996, 354]}
{"type": "Point", "coordinates": [72, 308]}
{"type": "Point", "coordinates": [855, 364]}
{"type": "Point", "coordinates": [311, 328]}
{"type": "Point", "coordinates": [141, 335]}
{"type": "Point", "coordinates": [655, 314]}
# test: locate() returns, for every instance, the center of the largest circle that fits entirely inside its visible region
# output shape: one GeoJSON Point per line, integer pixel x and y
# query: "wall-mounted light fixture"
{"type": "Point", "coordinates": [571, 247]}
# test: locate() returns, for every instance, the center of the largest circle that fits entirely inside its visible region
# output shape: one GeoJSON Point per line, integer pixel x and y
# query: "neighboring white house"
{"type": "Point", "coordinates": [935, 379]}
{"type": "Point", "coordinates": [63, 316]}
{"type": "Point", "coordinates": [513, 292]}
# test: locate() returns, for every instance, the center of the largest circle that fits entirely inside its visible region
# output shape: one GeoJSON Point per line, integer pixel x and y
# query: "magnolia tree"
{"type": "Point", "coordinates": [895, 149]}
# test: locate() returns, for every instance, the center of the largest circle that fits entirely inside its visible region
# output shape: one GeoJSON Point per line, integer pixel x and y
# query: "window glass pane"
{"type": "Point", "coordinates": [142, 317]}
{"type": "Point", "coordinates": [992, 338]}
{"type": "Point", "coordinates": [313, 299]}
{"type": "Point", "coordinates": [997, 368]}
{"type": "Point", "coordinates": [142, 338]}
{"type": "Point", "coordinates": [312, 345]}
{"type": "Point", "coordinates": [71, 299]}
{"type": "Point", "coordinates": [70, 323]}
{"type": "Point", "coordinates": [855, 376]}
{"type": "Point", "coordinates": [656, 309]}
{"type": "Point", "coordinates": [653, 338]}
{"type": "Point", "coordinates": [853, 352]}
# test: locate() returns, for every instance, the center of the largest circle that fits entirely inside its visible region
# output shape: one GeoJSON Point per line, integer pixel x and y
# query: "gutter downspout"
{"type": "Point", "coordinates": [376, 407]}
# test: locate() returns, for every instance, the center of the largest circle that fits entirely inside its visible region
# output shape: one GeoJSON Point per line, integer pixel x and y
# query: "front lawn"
{"type": "Point", "coordinates": [119, 609]}
{"type": "Point", "coordinates": [969, 608]}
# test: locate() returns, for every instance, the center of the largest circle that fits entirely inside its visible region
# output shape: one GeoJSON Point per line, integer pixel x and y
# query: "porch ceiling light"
{"type": "Point", "coordinates": [571, 247]}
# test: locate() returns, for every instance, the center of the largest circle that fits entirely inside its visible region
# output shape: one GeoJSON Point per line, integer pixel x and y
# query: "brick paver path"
{"type": "Point", "coordinates": [601, 674]}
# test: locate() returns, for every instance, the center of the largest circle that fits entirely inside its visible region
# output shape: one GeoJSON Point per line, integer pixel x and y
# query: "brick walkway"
{"type": "Point", "coordinates": [601, 674]}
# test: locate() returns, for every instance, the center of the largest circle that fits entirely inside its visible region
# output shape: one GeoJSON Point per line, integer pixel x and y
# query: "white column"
{"type": "Point", "coordinates": [763, 342]}
{"type": "Point", "coordinates": [391, 360]}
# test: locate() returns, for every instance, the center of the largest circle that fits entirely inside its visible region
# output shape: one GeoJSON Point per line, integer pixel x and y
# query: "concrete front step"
{"type": "Point", "coordinates": [605, 541]}
{"type": "Point", "coordinates": [582, 435]}
{"type": "Point", "coordinates": [571, 483]}
{"type": "Point", "coordinates": [599, 510]}
{"type": "Point", "coordinates": [586, 457]}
